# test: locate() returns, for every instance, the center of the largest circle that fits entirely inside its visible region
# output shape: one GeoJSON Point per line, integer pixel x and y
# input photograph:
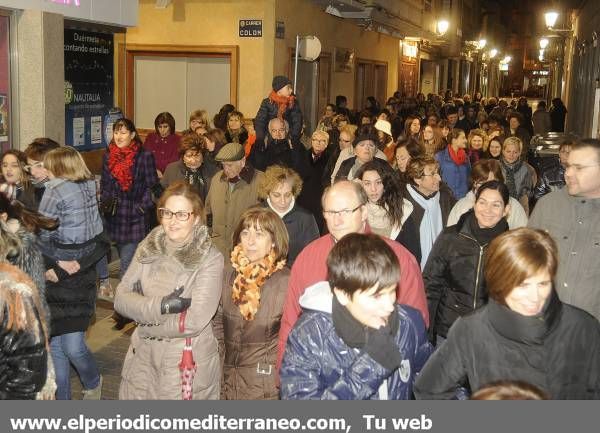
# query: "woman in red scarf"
{"type": "Point", "coordinates": [128, 176]}
{"type": "Point", "coordinates": [280, 103]}
{"type": "Point", "coordinates": [454, 164]}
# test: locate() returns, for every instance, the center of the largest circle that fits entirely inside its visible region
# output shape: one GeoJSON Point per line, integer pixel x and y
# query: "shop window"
{"type": "Point", "coordinates": [5, 125]}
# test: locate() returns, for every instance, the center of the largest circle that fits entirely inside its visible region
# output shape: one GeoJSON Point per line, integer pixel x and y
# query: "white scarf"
{"type": "Point", "coordinates": [431, 224]}
{"type": "Point", "coordinates": [282, 214]}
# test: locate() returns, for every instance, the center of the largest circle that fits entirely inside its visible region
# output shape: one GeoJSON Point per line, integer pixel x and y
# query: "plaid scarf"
{"type": "Point", "coordinates": [283, 102]}
{"type": "Point", "coordinates": [120, 163]}
{"type": "Point", "coordinates": [249, 280]}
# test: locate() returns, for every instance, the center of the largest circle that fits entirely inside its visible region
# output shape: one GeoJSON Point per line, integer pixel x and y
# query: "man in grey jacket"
{"type": "Point", "coordinates": [572, 216]}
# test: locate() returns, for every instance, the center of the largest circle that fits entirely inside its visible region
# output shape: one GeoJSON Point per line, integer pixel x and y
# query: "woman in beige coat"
{"type": "Point", "coordinates": [175, 269]}
{"type": "Point", "coordinates": [247, 323]}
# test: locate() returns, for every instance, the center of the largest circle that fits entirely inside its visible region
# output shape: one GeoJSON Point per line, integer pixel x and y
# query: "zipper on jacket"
{"type": "Point", "coordinates": [481, 248]}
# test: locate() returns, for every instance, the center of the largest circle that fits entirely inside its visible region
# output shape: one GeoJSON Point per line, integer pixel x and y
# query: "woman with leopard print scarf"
{"type": "Point", "coordinates": [248, 319]}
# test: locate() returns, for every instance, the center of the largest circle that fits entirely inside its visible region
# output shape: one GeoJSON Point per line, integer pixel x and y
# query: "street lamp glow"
{"type": "Point", "coordinates": [481, 44]}
{"type": "Point", "coordinates": [442, 27]}
{"type": "Point", "coordinates": [541, 56]}
{"type": "Point", "coordinates": [493, 53]}
{"type": "Point", "coordinates": [544, 43]}
{"type": "Point", "coordinates": [506, 59]}
{"type": "Point", "coordinates": [550, 18]}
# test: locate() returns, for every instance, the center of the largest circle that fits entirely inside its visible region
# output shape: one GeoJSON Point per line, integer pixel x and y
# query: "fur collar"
{"type": "Point", "coordinates": [153, 247]}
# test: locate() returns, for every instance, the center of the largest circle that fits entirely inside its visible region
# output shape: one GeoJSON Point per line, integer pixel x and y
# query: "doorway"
{"type": "Point", "coordinates": [370, 80]}
{"type": "Point", "coordinates": [167, 78]}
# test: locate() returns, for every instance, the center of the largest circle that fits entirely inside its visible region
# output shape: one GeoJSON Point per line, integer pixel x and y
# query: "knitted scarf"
{"type": "Point", "coordinates": [283, 102]}
{"type": "Point", "coordinates": [120, 163]}
{"type": "Point", "coordinates": [250, 279]}
{"type": "Point", "coordinates": [459, 157]}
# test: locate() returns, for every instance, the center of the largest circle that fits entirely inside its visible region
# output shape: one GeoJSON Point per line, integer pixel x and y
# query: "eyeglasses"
{"type": "Point", "coordinates": [28, 167]}
{"type": "Point", "coordinates": [180, 215]}
{"type": "Point", "coordinates": [579, 167]}
{"type": "Point", "coordinates": [193, 156]}
{"type": "Point", "coordinates": [343, 212]}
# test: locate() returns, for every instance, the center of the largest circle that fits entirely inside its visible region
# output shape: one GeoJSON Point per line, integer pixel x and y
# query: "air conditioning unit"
{"type": "Point", "coordinates": [162, 4]}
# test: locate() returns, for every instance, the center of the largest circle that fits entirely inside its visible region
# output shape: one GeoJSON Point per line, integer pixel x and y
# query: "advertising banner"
{"type": "Point", "coordinates": [89, 87]}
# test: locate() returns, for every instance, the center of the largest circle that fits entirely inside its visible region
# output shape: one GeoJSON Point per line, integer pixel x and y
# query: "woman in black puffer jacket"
{"type": "Point", "coordinates": [453, 274]}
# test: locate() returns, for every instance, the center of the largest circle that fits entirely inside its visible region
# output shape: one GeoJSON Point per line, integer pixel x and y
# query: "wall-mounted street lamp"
{"type": "Point", "coordinates": [550, 18]}
{"type": "Point", "coordinates": [481, 44]}
{"type": "Point", "coordinates": [442, 27]}
{"type": "Point", "coordinates": [544, 43]}
{"type": "Point", "coordinates": [493, 53]}
{"type": "Point", "coordinates": [506, 59]}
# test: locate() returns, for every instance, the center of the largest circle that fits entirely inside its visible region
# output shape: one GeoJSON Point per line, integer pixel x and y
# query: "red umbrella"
{"type": "Point", "coordinates": [187, 366]}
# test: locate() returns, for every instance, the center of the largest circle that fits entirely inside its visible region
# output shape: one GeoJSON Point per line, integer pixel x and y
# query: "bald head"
{"type": "Point", "coordinates": [344, 208]}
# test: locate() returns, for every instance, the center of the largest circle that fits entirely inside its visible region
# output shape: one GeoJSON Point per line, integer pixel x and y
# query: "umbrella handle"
{"type": "Point", "coordinates": [182, 321]}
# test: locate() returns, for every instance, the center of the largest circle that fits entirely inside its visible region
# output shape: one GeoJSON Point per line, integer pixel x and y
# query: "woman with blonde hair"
{"type": "Point", "coordinates": [279, 188]}
{"type": "Point", "coordinates": [248, 320]}
{"type": "Point", "coordinates": [172, 289]}
{"type": "Point", "coordinates": [70, 197]}
{"type": "Point", "coordinates": [523, 333]}
{"type": "Point", "coordinates": [477, 144]}
{"type": "Point", "coordinates": [198, 119]}
{"type": "Point", "coordinates": [236, 131]}
{"type": "Point", "coordinates": [517, 173]}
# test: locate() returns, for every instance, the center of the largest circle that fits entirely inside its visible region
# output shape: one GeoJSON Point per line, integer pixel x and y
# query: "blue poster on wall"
{"type": "Point", "coordinates": [89, 84]}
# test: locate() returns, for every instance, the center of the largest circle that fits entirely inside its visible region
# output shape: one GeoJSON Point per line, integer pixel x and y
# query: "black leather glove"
{"type": "Point", "coordinates": [173, 303]}
{"type": "Point", "coordinates": [381, 346]}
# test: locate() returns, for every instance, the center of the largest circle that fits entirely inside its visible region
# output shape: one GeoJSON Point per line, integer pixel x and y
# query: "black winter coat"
{"type": "Point", "coordinates": [302, 230]}
{"type": "Point", "coordinates": [557, 351]}
{"type": "Point", "coordinates": [313, 186]}
{"type": "Point", "coordinates": [278, 152]}
{"type": "Point", "coordinates": [453, 275]}
{"type": "Point", "coordinates": [268, 110]}
{"type": "Point", "coordinates": [72, 300]}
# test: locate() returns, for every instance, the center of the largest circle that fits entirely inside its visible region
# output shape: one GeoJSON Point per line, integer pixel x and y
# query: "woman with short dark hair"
{"type": "Point", "coordinates": [453, 274]}
{"type": "Point", "coordinates": [524, 332]}
{"type": "Point", "coordinates": [247, 322]}
{"type": "Point", "coordinates": [163, 143]}
{"type": "Point", "coordinates": [191, 167]}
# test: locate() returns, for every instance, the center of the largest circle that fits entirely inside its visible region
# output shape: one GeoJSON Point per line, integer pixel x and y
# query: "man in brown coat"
{"type": "Point", "coordinates": [232, 190]}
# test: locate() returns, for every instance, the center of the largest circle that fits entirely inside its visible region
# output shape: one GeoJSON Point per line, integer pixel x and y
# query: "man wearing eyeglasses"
{"type": "Point", "coordinates": [277, 148]}
{"type": "Point", "coordinates": [345, 212]}
{"type": "Point", "coordinates": [572, 216]}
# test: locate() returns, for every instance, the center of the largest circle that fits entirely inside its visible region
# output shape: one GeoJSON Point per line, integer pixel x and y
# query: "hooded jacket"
{"type": "Point", "coordinates": [318, 364]}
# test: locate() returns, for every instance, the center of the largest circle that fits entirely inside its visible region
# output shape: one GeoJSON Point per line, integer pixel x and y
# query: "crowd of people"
{"type": "Point", "coordinates": [413, 251]}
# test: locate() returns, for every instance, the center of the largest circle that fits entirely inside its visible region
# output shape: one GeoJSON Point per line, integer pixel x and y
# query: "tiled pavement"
{"type": "Point", "coordinates": [108, 345]}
